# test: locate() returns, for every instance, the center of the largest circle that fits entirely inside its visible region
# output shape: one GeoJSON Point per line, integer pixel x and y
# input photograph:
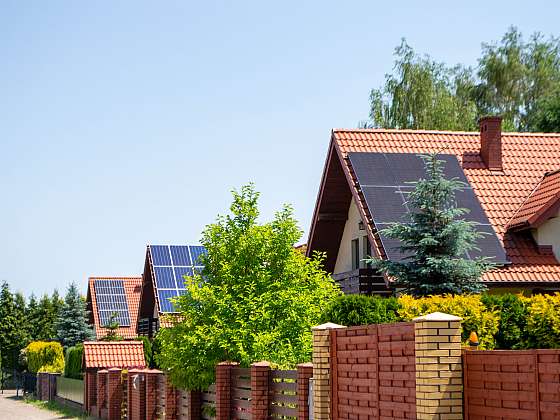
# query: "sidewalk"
{"type": "Point", "coordinates": [12, 407]}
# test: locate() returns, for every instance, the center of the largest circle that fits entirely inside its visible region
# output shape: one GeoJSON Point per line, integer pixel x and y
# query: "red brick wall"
{"type": "Point", "coordinates": [373, 372]}
{"type": "Point", "coordinates": [512, 384]}
{"type": "Point", "coordinates": [114, 394]}
{"type": "Point", "coordinates": [304, 373]}
{"type": "Point", "coordinates": [136, 408]}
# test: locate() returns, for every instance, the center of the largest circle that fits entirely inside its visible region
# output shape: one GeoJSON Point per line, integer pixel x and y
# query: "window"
{"type": "Point", "coordinates": [366, 251]}
{"type": "Point", "coordinates": [355, 254]}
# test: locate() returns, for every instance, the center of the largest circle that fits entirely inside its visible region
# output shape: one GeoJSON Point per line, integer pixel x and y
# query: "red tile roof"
{"type": "Point", "coordinates": [114, 354]}
{"type": "Point", "coordinates": [526, 158]}
{"type": "Point", "coordinates": [542, 203]}
{"type": "Point", "coordinates": [132, 289]}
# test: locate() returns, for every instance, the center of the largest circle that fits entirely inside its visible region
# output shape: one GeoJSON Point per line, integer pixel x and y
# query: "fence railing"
{"type": "Point", "coordinates": [70, 389]}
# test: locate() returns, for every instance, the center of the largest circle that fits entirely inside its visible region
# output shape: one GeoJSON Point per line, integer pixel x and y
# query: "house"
{"type": "Point", "coordinates": [514, 193]}
{"type": "Point", "coordinates": [165, 267]}
{"type": "Point", "coordinates": [117, 297]}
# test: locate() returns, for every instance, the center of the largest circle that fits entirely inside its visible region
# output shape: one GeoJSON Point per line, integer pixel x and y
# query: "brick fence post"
{"type": "Point", "coordinates": [322, 370]}
{"type": "Point", "coordinates": [304, 373]}
{"type": "Point", "coordinates": [90, 391]}
{"type": "Point", "coordinates": [114, 394]}
{"type": "Point", "coordinates": [439, 383]}
{"type": "Point", "coordinates": [260, 380]}
{"type": "Point", "coordinates": [194, 405]}
{"type": "Point", "coordinates": [41, 386]}
{"type": "Point", "coordinates": [151, 397]}
{"type": "Point", "coordinates": [101, 402]}
{"type": "Point", "coordinates": [223, 390]}
{"type": "Point", "coordinates": [136, 394]}
{"type": "Point", "coordinates": [171, 396]}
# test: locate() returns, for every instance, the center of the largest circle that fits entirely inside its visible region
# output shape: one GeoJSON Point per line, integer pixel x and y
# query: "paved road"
{"type": "Point", "coordinates": [12, 408]}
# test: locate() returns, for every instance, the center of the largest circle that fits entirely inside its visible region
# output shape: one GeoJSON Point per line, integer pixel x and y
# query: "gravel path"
{"type": "Point", "coordinates": [12, 408]}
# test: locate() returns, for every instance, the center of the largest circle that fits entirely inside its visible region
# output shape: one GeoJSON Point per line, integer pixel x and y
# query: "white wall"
{"type": "Point", "coordinates": [351, 231]}
{"type": "Point", "coordinates": [549, 234]}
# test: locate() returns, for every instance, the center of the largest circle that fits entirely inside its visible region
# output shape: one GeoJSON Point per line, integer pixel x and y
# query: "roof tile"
{"type": "Point", "coordinates": [114, 354]}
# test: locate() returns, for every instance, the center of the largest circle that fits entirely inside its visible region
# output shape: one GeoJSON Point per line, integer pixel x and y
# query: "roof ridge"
{"type": "Point", "coordinates": [420, 131]}
{"type": "Point", "coordinates": [550, 173]}
{"type": "Point", "coordinates": [114, 277]}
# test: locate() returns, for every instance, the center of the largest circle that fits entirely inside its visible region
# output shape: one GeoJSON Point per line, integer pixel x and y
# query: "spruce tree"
{"type": "Point", "coordinates": [10, 344]}
{"type": "Point", "coordinates": [32, 318]}
{"type": "Point", "coordinates": [72, 323]}
{"type": "Point", "coordinates": [435, 240]}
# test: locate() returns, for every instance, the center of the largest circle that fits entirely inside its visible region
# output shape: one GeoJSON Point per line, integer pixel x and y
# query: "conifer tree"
{"type": "Point", "coordinates": [32, 318]}
{"type": "Point", "coordinates": [10, 344]}
{"type": "Point", "coordinates": [436, 240]}
{"type": "Point", "coordinates": [72, 323]}
{"type": "Point", "coordinates": [45, 319]}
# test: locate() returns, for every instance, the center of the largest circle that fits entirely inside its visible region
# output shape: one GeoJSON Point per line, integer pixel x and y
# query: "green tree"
{"type": "Point", "coordinates": [32, 318]}
{"type": "Point", "coordinates": [72, 323]}
{"type": "Point", "coordinates": [20, 312]}
{"type": "Point", "coordinates": [436, 240]}
{"type": "Point", "coordinates": [11, 340]}
{"type": "Point", "coordinates": [515, 75]}
{"type": "Point", "coordinates": [546, 117]}
{"type": "Point", "coordinates": [112, 328]}
{"type": "Point", "coordinates": [513, 78]}
{"type": "Point", "coordinates": [257, 297]}
{"type": "Point", "coordinates": [423, 93]}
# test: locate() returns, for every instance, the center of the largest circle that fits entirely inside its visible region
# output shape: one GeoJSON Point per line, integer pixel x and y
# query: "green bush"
{"type": "Point", "coordinates": [73, 362]}
{"type": "Point", "coordinates": [512, 326]}
{"type": "Point", "coordinates": [44, 357]}
{"type": "Point", "coordinates": [349, 310]}
{"type": "Point", "coordinates": [543, 322]}
{"type": "Point", "coordinates": [148, 354]}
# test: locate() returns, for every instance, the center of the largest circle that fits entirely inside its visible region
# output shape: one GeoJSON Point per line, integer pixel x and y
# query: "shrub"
{"type": "Point", "coordinates": [512, 327]}
{"type": "Point", "coordinates": [476, 317]}
{"type": "Point", "coordinates": [148, 354]}
{"type": "Point", "coordinates": [349, 310]}
{"type": "Point", "coordinates": [44, 357]}
{"type": "Point", "coordinates": [73, 362]}
{"type": "Point", "coordinates": [543, 323]}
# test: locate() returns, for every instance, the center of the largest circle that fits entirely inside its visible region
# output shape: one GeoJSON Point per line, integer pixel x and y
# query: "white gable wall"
{"type": "Point", "coordinates": [549, 234]}
{"type": "Point", "coordinates": [351, 231]}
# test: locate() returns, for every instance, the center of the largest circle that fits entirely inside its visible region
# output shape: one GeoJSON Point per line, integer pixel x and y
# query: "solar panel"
{"type": "Point", "coordinates": [170, 264]}
{"type": "Point", "coordinates": [385, 180]}
{"type": "Point", "coordinates": [111, 300]}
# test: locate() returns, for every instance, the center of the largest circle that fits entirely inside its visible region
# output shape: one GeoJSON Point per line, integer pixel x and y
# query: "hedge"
{"type": "Point", "coordinates": [44, 356]}
{"type": "Point", "coordinates": [73, 362]}
{"type": "Point", "coordinates": [501, 321]}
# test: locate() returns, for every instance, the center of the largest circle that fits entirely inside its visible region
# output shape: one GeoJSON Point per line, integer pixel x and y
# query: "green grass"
{"type": "Point", "coordinates": [67, 412]}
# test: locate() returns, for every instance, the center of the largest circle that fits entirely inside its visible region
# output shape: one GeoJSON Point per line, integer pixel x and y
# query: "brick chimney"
{"type": "Point", "coordinates": [491, 142]}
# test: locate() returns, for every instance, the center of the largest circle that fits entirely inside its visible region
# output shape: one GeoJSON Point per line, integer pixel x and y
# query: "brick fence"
{"type": "Point", "coordinates": [512, 384]}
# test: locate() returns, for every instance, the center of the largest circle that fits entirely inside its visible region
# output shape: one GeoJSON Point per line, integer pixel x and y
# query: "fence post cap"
{"type": "Point", "coordinates": [437, 316]}
{"type": "Point", "coordinates": [114, 369]}
{"type": "Point", "coordinates": [102, 371]}
{"type": "Point", "coordinates": [305, 365]}
{"type": "Point", "coordinates": [327, 326]}
{"type": "Point", "coordinates": [228, 363]}
{"type": "Point", "coordinates": [262, 363]}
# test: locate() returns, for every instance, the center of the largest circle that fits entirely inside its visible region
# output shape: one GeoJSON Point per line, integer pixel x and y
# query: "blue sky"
{"type": "Point", "coordinates": [124, 123]}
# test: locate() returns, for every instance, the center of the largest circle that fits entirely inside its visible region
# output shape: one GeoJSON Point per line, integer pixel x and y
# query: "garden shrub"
{"type": "Point", "coordinates": [543, 322]}
{"type": "Point", "coordinates": [476, 317]}
{"type": "Point", "coordinates": [73, 362]}
{"type": "Point", "coordinates": [44, 356]}
{"type": "Point", "coordinates": [512, 327]}
{"type": "Point", "coordinates": [148, 353]}
{"type": "Point", "coordinates": [349, 310]}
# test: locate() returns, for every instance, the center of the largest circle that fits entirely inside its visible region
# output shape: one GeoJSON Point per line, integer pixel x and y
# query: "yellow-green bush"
{"type": "Point", "coordinates": [44, 356]}
{"type": "Point", "coordinates": [476, 316]}
{"type": "Point", "coordinates": [543, 323]}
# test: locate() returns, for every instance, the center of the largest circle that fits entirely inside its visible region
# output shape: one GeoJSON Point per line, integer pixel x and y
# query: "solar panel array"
{"type": "Point", "coordinates": [111, 299]}
{"type": "Point", "coordinates": [170, 264]}
{"type": "Point", "coordinates": [385, 180]}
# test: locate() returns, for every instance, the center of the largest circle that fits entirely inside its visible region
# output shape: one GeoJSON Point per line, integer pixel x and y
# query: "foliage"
{"type": "Point", "coordinates": [512, 327]}
{"type": "Point", "coordinates": [435, 240]}
{"type": "Point", "coordinates": [148, 354]}
{"type": "Point", "coordinates": [44, 356]}
{"type": "Point", "coordinates": [514, 78]}
{"type": "Point", "coordinates": [13, 334]}
{"type": "Point", "coordinates": [73, 362]}
{"type": "Point", "coordinates": [72, 322]}
{"type": "Point", "coordinates": [41, 316]}
{"type": "Point", "coordinates": [547, 115]}
{"type": "Point", "coordinates": [543, 323]}
{"type": "Point", "coordinates": [424, 94]}
{"type": "Point", "coordinates": [476, 317]}
{"type": "Point", "coordinates": [112, 328]}
{"type": "Point", "coordinates": [351, 310]}
{"type": "Point", "coordinates": [257, 297]}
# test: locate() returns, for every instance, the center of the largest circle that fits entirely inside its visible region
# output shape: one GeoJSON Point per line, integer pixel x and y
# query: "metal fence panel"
{"type": "Point", "coordinates": [70, 389]}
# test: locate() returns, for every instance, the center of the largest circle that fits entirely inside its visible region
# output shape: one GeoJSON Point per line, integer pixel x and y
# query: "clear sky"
{"type": "Point", "coordinates": [124, 123]}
